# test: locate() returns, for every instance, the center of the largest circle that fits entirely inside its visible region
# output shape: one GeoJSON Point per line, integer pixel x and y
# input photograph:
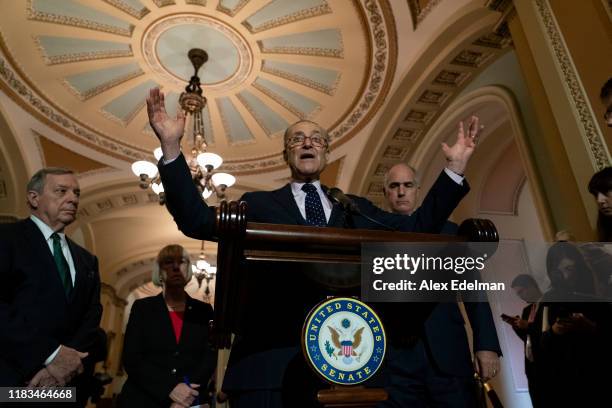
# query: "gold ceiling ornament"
{"type": "Point", "coordinates": [202, 163]}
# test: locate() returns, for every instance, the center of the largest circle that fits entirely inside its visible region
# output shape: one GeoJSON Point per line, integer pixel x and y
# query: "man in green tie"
{"type": "Point", "coordinates": [50, 294]}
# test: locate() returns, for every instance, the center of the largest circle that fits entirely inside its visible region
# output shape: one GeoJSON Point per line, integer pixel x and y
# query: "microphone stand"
{"type": "Point", "coordinates": [349, 207]}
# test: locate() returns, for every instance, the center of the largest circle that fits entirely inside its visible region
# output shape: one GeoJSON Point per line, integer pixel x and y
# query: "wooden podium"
{"type": "Point", "coordinates": [242, 242]}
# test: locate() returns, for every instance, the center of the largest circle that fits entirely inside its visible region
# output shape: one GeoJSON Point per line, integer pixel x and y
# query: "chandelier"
{"type": "Point", "coordinates": [203, 270]}
{"type": "Point", "coordinates": [201, 162]}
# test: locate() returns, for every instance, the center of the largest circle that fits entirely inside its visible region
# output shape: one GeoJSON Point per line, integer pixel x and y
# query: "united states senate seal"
{"type": "Point", "coordinates": [344, 341]}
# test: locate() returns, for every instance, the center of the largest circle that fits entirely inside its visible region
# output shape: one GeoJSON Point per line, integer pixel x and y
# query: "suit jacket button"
{"type": "Point", "coordinates": [173, 371]}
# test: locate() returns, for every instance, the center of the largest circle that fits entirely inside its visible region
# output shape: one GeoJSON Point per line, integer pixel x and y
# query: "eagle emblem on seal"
{"type": "Point", "coordinates": [347, 343]}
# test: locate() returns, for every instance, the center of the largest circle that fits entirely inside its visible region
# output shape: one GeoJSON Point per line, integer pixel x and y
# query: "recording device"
{"type": "Point", "coordinates": [506, 318]}
{"type": "Point", "coordinates": [350, 206]}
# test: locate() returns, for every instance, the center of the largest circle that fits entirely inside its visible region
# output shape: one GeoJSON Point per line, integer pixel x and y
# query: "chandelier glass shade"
{"type": "Point", "coordinates": [202, 163]}
{"type": "Point", "coordinates": [203, 271]}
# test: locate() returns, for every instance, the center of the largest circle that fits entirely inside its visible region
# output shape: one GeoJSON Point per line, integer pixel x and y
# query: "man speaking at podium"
{"type": "Point", "coordinates": [261, 367]}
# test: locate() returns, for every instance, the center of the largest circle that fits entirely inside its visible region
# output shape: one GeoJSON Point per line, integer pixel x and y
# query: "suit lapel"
{"type": "Point", "coordinates": [81, 270]}
{"type": "Point", "coordinates": [336, 219]}
{"type": "Point", "coordinates": [40, 250]}
{"type": "Point", "coordinates": [187, 332]}
{"type": "Point", "coordinates": [284, 197]}
{"type": "Point", "coordinates": [164, 320]}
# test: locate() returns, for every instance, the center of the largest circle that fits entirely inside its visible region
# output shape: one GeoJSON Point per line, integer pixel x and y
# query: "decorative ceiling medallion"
{"type": "Point", "coordinates": [304, 86]}
{"type": "Point", "coordinates": [231, 43]}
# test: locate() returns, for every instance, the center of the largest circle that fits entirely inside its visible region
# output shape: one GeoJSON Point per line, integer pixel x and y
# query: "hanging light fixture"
{"type": "Point", "coordinates": [203, 270]}
{"type": "Point", "coordinates": [202, 163]}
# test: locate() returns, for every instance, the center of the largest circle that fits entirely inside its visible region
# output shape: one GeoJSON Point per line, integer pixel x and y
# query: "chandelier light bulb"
{"type": "Point", "coordinates": [144, 167]}
{"type": "Point", "coordinates": [202, 265]}
{"type": "Point", "coordinates": [208, 159]}
{"type": "Point", "coordinates": [157, 188]}
{"type": "Point", "coordinates": [202, 164]}
{"type": "Point", "coordinates": [223, 179]}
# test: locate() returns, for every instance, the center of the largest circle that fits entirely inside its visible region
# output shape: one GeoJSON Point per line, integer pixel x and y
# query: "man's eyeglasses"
{"type": "Point", "coordinates": [299, 140]}
{"type": "Point", "coordinates": [172, 261]}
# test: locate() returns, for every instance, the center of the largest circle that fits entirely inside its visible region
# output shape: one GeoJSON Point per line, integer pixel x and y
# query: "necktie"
{"type": "Point", "coordinates": [61, 263]}
{"type": "Point", "coordinates": [532, 313]}
{"type": "Point", "coordinates": [314, 209]}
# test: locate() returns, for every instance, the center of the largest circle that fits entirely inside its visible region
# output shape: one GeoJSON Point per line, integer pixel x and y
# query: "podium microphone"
{"type": "Point", "coordinates": [350, 206]}
{"type": "Point", "coordinates": [347, 203]}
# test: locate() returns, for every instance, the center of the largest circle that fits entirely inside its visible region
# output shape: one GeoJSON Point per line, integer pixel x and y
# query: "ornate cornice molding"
{"type": "Point", "coordinates": [384, 51]}
{"type": "Point", "coordinates": [76, 22]}
{"type": "Point", "coordinates": [23, 95]}
{"type": "Point", "coordinates": [419, 14]}
{"type": "Point", "coordinates": [112, 294]}
{"type": "Point", "coordinates": [291, 18]}
{"type": "Point", "coordinates": [594, 138]}
{"type": "Point", "coordinates": [128, 8]}
{"type": "Point", "coordinates": [317, 52]}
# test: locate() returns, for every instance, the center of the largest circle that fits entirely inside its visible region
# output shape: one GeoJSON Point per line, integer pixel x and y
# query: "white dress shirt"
{"type": "Point", "coordinates": [300, 198]}
{"type": "Point", "coordinates": [47, 232]}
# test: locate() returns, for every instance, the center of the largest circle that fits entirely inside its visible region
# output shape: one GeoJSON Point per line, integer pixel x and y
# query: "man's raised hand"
{"type": "Point", "coordinates": [458, 155]}
{"type": "Point", "coordinates": [168, 130]}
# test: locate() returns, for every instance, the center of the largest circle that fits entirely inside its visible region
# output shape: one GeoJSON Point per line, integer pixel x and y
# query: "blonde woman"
{"type": "Point", "coordinates": [166, 354]}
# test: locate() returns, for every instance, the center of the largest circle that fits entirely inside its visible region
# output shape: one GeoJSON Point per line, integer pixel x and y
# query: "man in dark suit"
{"type": "Point", "coordinates": [437, 370]}
{"type": "Point", "coordinates": [529, 328]}
{"type": "Point", "coordinates": [50, 294]}
{"type": "Point", "coordinates": [261, 362]}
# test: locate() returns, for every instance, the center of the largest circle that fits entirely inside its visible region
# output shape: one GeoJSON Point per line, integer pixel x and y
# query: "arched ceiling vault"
{"type": "Point", "coordinates": [85, 67]}
{"type": "Point", "coordinates": [74, 75]}
{"type": "Point", "coordinates": [453, 58]}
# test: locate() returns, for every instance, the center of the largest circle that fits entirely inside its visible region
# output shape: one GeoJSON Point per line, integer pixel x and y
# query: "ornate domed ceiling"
{"type": "Point", "coordinates": [85, 67]}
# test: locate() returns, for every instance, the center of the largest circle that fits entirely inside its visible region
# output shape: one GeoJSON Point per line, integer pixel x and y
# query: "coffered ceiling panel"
{"type": "Point", "coordinates": [86, 67]}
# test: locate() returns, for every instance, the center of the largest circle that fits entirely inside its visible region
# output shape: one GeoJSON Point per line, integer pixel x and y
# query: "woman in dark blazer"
{"type": "Point", "coordinates": [574, 349]}
{"type": "Point", "coordinates": [166, 352]}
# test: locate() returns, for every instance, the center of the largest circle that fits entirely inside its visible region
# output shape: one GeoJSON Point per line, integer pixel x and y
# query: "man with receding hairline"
{"type": "Point", "coordinates": [263, 366]}
{"type": "Point", "coordinates": [50, 294]}
{"type": "Point", "coordinates": [437, 370]}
